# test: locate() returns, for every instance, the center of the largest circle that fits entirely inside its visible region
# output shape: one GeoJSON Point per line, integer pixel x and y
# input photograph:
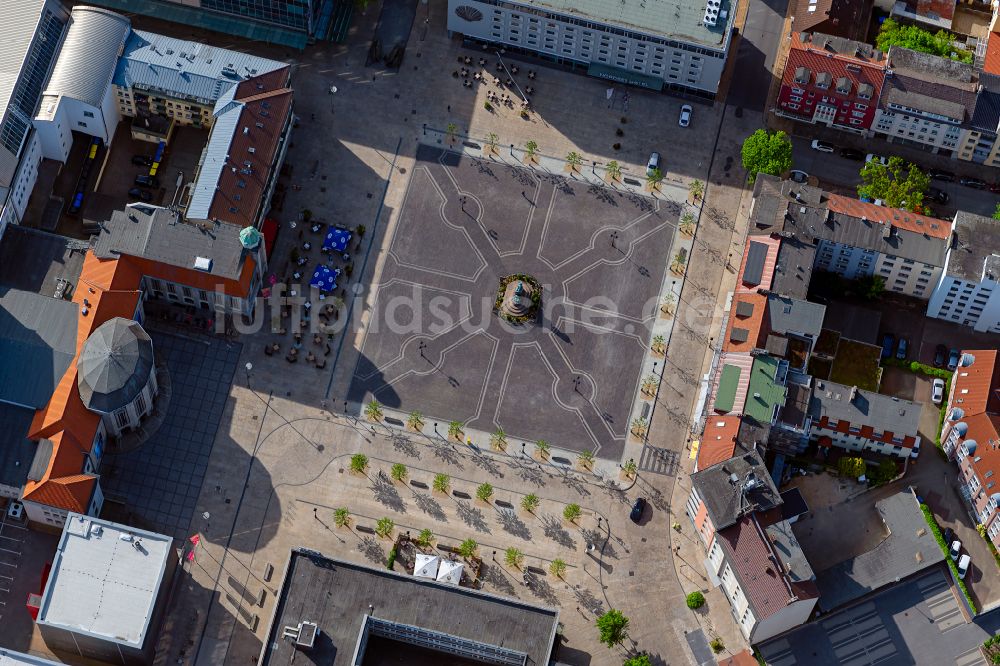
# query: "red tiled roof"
{"type": "Point", "coordinates": [974, 386]}
{"type": "Point", "coordinates": [71, 493]}
{"type": "Point", "coordinates": [816, 59]}
{"type": "Point", "coordinates": [992, 63]}
{"type": "Point", "coordinates": [754, 324]}
{"type": "Point", "coordinates": [761, 578]}
{"type": "Point", "coordinates": [110, 289]}
{"type": "Point", "coordinates": [902, 219]}
{"type": "Point", "coordinates": [718, 443]}
{"type": "Point", "coordinates": [267, 104]}
{"type": "Point", "coordinates": [739, 659]}
{"type": "Point", "coordinates": [773, 245]}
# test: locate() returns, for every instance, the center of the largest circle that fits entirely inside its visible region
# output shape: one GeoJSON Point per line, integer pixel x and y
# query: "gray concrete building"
{"type": "Point", "coordinates": [340, 613]}
{"type": "Point", "coordinates": [679, 46]}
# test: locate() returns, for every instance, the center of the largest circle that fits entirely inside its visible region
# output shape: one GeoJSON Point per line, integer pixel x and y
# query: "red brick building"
{"type": "Point", "coordinates": [832, 81]}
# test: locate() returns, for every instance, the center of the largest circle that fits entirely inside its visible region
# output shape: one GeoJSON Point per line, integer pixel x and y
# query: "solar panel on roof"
{"type": "Point", "coordinates": [754, 270]}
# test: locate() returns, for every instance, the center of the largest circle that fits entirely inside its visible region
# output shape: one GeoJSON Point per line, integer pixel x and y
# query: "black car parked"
{"type": "Point", "coordinates": [141, 194]}
{"type": "Point", "coordinates": [637, 510]}
{"type": "Point", "coordinates": [142, 160]}
{"type": "Point", "coordinates": [940, 353]}
{"type": "Point", "coordinates": [851, 154]}
{"type": "Point", "coordinates": [974, 183]}
{"type": "Point", "coordinates": [142, 180]}
{"type": "Point", "coordinates": [943, 176]}
{"type": "Point", "coordinates": [940, 196]}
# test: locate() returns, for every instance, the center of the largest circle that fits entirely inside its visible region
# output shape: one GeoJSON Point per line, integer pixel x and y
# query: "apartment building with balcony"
{"type": "Point", "coordinates": [971, 434]}
{"type": "Point", "coordinates": [967, 291]}
{"type": "Point", "coordinates": [926, 101]}
{"type": "Point", "coordinates": [831, 81]}
{"type": "Point", "coordinates": [979, 140]}
{"type": "Point", "coordinates": [860, 420]}
{"type": "Point", "coordinates": [752, 553]}
{"type": "Point", "coordinates": [853, 238]}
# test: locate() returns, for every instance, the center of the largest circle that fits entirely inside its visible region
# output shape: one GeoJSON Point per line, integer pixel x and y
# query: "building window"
{"type": "Point", "coordinates": [80, 123]}
{"type": "Point", "coordinates": [121, 418]}
{"type": "Point", "coordinates": [140, 405]}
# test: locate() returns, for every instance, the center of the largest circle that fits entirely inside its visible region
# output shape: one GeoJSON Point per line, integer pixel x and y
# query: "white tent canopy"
{"type": "Point", "coordinates": [426, 566]}
{"type": "Point", "coordinates": [450, 572]}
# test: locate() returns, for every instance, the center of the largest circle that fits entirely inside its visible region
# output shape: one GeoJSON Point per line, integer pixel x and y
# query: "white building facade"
{"type": "Point", "coordinates": [966, 292]}
{"type": "Point", "coordinates": [654, 55]}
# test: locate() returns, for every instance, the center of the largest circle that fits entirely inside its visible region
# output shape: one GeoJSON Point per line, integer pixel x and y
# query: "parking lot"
{"type": "Point", "coordinates": [180, 159]}
{"type": "Point", "coordinates": [24, 556]}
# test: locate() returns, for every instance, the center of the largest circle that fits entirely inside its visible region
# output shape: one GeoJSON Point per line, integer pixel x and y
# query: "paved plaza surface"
{"type": "Point", "coordinates": [158, 483]}
{"type": "Point", "coordinates": [354, 154]}
{"type": "Point", "coordinates": [434, 342]}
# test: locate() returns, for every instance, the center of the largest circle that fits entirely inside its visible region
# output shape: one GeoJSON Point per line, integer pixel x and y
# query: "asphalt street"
{"type": "Point", "coordinates": [840, 175]}
{"type": "Point", "coordinates": [755, 54]}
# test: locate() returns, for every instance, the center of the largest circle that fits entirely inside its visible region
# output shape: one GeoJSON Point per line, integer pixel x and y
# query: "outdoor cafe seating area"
{"type": "Point", "coordinates": [502, 82]}
{"type": "Point", "coordinates": [311, 292]}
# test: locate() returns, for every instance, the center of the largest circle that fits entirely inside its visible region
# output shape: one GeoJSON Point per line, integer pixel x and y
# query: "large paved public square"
{"type": "Point", "coordinates": [434, 342]}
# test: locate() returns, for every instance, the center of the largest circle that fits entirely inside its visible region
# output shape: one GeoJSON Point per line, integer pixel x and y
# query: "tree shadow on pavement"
{"type": "Point", "coordinates": [446, 453]}
{"type": "Point", "coordinates": [385, 493]}
{"type": "Point", "coordinates": [541, 588]}
{"type": "Point", "coordinates": [472, 516]}
{"type": "Point", "coordinates": [576, 484]}
{"type": "Point", "coordinates": [531, 474]}
{"type": "Point", "coordinates": [372, 549]}
{"type": "Point", "coordinates": [405, 445]}
{"type": "Point", "coordinates": [512, 524]}
{"type": "Point", "coordinates": [588, 600]}
{"type": "Point", "coordinates": [430, 506]}
{"type": "Point", "coordinates": [553, 529]}
{"type": "Point", "coordinates": [599, 540]}
{"type": "Point", "coordinates": [488, 465]}
{"type": "Point", "coordinates": [495, 577]}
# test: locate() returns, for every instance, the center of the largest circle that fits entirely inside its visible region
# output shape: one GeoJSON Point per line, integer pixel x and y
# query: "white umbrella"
{"type": "Point", "coordinates": [450, 572]}
{"type": "Point", "coordinates": [426, 566]}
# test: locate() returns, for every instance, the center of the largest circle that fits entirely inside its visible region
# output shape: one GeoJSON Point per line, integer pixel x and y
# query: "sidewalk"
{"type": "Point", "coordinates": [717, 249]}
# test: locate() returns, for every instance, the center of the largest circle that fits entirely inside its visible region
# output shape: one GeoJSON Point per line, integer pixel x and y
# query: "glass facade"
{"type": "Point", "coordinates": [28, 90]}
{"type": "Point", "coordinates": [298, 14]}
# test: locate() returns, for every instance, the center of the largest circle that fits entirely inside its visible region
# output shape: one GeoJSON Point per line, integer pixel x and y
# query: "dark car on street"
{"type": "Point", "coordinates": [142, 160]}
{"type": "Point", "coordinates": [943, 176]}
{"type": "Point", "coordinates": [141, 194]}
{"type": "Point", "coordinates": [974, 183]}
{"type": "Point", "coordinates": [940, 353]}
{"type": "Point", "coordinates": [637, 510]}
{"type": "Point", "coordinates": [142, 180]}
{"type": "Point", "coordinates": [851, 154]}
{"type": "Point", "coordinates": [888, 344]}
{"type": "Point", "coordinates": [940, 196]}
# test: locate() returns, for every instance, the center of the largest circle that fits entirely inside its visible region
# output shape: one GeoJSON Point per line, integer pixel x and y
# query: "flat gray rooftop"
{"type": "Point", "coordinates": [909, 548]}
{"type": "Point", "coordinates": [336, 595]}
{"type": "Point", "coordinates": [33, 260]}
{"type": "Point", "coordinates": [916, 622]}
{"type": "Point", "coordinates": [676, 19]}
{"type": "Point", "coordinates": [974, 247]}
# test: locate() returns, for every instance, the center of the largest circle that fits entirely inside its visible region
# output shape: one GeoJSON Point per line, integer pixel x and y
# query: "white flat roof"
{"type": "Point", "coordinates": [101, 583]}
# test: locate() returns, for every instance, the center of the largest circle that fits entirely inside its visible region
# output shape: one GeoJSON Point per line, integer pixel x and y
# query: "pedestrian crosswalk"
{"type": "Point", "coordinates": [658, 461]}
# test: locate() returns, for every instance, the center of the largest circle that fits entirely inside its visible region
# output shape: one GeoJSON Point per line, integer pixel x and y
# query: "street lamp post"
{"type": "Point", "coordinates": [248, 367]}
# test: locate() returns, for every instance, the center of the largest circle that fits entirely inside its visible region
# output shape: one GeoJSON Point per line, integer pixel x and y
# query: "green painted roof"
{"type": "Point", "coordinates": [763, 393]}
{"type": "Point", "coordinates": [729, 381]}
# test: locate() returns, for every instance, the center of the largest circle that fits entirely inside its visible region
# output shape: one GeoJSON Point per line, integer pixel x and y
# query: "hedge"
{"type": "Point", "coordinates": [936, 531]}
{"type": "Point", "coordinates": [392, 558]}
